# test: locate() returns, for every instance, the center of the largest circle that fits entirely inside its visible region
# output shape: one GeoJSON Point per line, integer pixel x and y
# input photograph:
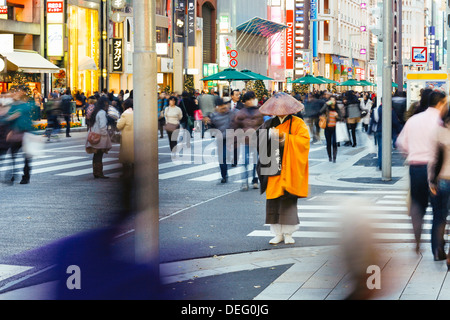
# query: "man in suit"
{"type": "Point", "coordinates": [235, 102]}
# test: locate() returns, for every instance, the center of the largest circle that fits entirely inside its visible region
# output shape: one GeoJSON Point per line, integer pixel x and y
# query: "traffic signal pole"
{"type": "Point", "coordinates": [386, 166]}
{"type": "Point", "coordinates": [146, 133]}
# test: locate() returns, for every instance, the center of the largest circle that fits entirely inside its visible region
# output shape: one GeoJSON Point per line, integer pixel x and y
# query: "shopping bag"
{"type": "Point", "coordinates": [341, 132]}
{"type": "Point", "coordinates": [32, 144]}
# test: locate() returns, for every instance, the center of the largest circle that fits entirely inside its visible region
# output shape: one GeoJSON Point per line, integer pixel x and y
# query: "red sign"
{"type": "Point", "coordinates": [233, 54]}
{"type": "Point", "coordinates": [233, 63]}
{"type": "Point", "coordinates": [3, 9]}
{"type": "Point", "coordinates": [55, 7]}
{"type": "Point", "coordinates": [419, 55]}
{"type": "Point", "coordinates": [290, 39]}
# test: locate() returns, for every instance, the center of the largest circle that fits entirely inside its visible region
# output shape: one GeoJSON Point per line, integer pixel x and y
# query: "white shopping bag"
{"type": "Point", "coordinates": [341, 132]}
{"type": "Point", "coordinates": [33, 144]}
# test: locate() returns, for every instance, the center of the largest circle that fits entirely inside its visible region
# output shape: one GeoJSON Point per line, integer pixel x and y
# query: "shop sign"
{"type": "Point", "coordinates": [290, 35]}
{"type": "Point", "coordinates": [55, 11]}
{"type": "Point", "coordinates": [55, 7]}
{"type": "Point", "coordinates": [3, 9]}
{"type": "Point", "coordinates": [55, 40]}
{"type": "Point", "coordinates": [117, 54]}
{"type": "Point", "coordinates": [191, 23]}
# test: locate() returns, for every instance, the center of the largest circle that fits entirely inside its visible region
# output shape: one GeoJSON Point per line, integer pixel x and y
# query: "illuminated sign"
{"type": "Point", "coordinates": [3, 9]}
{"type": "Point", "coordinates": [55, 40]}
{"type": "Point", "coordinates": [290, 34]}
{"type": "Point", "coordinates": [117, 55]}
{"type": "Point", "coordinates": [55, 7]}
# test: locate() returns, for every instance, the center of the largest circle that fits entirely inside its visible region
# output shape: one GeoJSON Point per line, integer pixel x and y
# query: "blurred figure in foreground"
{"type": "Point", "coordinates": [415, 140]}
{"type": "Point", "coordinates": [18, 118]}
{"type": "Point", "coordinates": [439, 182]}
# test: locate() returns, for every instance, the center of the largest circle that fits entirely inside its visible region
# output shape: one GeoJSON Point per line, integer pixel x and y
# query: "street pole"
{"type": "Point", "coordinates": [387, 93]}
{"type": "Point", "coordinates": [146, 134]}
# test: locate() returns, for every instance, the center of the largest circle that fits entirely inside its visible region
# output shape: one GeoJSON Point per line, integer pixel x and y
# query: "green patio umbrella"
{"type": "Point", "coordinates": [229, 75]}
{"type": "Point", "coordinates": [394, 85]}
{"type": "Point", "coordinates": [309, 79]}
{"type": "Point", "coordinates": [256, 75]}
{"type": "Point", "coordinates": [366, 83]}
{"type": "Point", "coordinates": [327, 80]}
{"type": "Point", "coordinates": [350, 83]}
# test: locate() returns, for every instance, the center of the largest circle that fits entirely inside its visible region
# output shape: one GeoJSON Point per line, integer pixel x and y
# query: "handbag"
{"type": "Point", "coordinates": [113, 113]}
{"type": "Point", "coordinates": [170, 127]}
{"type": "Point", "coordinates": [322, 122]}
{"type": "Point", "coordinates": [190, 119]}
{"type": "Point", "coordinates": [94, 138]}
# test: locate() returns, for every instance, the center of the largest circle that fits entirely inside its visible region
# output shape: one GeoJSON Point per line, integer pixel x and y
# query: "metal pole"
{"type": "Point", "coordinates": [387, 93]}
{"type": "Point", "coordinates": [146, 133]}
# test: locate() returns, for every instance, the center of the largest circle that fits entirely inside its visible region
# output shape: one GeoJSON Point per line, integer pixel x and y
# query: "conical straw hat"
{"type": "Point", "coordinates": [281, 104]}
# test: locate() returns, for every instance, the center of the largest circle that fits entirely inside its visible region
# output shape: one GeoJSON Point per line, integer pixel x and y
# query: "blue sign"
{"type": "Point", "coordinates": [315, 26]}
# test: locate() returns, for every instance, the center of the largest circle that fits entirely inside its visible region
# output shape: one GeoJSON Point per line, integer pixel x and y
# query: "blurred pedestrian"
{"type": "Point", "coordinates": [416, 141]}
{"type": "Point", "coordinates": [376, 127]}
{"type": "Point", "coordinates": [221, 120]}
{"type": "Point", "coordinates": [247, 119]}
{"type": "Point", "coordinates": [366, 105]}
{"type": "Point", "coordinates": [66, 110]}
{"type": "Point", "coordinates": [333, 116]}
{"type": "Point", "coordinates": [439, 182]}
{"type": "Point", "coordinates": [125, 125]}
{"type": "Point", "coordinates": [207, 103]}
{"type": "Point", "coordinates": [353, 113]}
{"type": "Point", "coordinates": [285, 178]}
{"type": "Point", "coordinates": [311, 114]}
{"type": "Point", "coordinates": [173, 115]}
{"type": "Point", "coordinates": [98, 124]}
{"type": "Point", "coordinates": [18, 118]}
{"type": "Point", "coordinates": [162, 104]}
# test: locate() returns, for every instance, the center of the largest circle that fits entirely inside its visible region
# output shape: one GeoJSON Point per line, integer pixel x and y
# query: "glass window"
{"type": "Point", "coordinates": [161, 8]}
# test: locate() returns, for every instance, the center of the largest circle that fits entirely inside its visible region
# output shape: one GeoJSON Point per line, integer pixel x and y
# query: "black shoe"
{"type": "Point", "coordinates": [439, 255]}
{"type": "Point", "coordinates": [224, 180]}
{"type": "Point", "coordinates": [68, 136]}
{"type": "Point", "coordinates": [25, 180]}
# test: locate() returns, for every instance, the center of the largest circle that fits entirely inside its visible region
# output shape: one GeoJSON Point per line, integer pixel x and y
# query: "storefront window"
{"type": "Point", "coordinates": [83, 50]}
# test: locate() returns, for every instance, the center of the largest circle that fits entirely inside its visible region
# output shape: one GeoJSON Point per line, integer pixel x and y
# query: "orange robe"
{"type": "Point", "coordinates": [295, 166]}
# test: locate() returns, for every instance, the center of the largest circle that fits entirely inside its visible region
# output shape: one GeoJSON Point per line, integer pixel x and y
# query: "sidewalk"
{"type": "Point", "coordinates": [311, 273]}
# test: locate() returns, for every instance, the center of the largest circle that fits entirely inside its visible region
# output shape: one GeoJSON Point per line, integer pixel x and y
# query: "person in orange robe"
{"type": "Point", "coordinates": [283, 170]}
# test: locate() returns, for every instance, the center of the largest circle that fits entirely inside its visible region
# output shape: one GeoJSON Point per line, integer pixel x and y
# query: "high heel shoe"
{"type": "Point", "coordinates": [439, 255]}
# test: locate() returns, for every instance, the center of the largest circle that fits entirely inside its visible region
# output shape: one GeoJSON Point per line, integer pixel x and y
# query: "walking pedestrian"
{"type": "Point", "coordinates": [353, 113]}
{"type": "Point", "coordinates": [173, 115]}
{"type": "Point", "coordinates": [19, 120]}
{"type": "Point", "coordinates": [285, 178]}
{"type": "Point", "coordinates": [66, 110]}
{"type": "Point", "coordinates": [333, 116]}
{"type": "Point", "coordinates": [366, 107]}
{"type": "Point", "coordinates": [416, 141]}
{"type": "Point", "coordinates": [439, 182]}
{"type": "Point", "coordinates": [247, 119]}
{"type": "Point", "coordinates": [376, 126]}
{"type": "Point", "coordinates": [162, 104]}
{"type": "Point", "coordinates": [125, 125]}
{"type": "Point", "coordinates": [221, 120]}
{"type": "Point", "coordinates": [99, 125]}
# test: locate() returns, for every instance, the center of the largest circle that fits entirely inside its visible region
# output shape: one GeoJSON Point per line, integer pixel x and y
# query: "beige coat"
{"type": "Point", "coordinates": [125, 125]}
{"type": "Point", "coordinates": [101, 127]}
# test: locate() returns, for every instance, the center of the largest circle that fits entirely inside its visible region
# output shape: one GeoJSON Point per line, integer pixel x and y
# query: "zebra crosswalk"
{"type": "Point", "coordinates": [386, 212]}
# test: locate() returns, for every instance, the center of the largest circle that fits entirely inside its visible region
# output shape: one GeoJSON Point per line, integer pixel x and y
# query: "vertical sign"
{"type": "Point", "coordinates": [191, 23]}
{"type": "Point", "coordinates": [290, 34]}
{"type": "Point", "coordinates": [55, 40]}
{"type": "Point", "coordinates": [117, 55]}
{"type": "Point", "coordinates": [313, 15]}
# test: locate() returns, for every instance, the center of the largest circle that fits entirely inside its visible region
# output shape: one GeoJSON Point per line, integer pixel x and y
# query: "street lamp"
{"type": "Point", "coordinates": [311, 69]}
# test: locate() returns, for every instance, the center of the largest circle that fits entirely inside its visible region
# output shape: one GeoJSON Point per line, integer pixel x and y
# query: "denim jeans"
{"type": "Point", "coordinates": [244, 175]}
{"type": "Point", "coordinates": [440, 212]}
{"type": "Point", "coordinates": [378, 141]}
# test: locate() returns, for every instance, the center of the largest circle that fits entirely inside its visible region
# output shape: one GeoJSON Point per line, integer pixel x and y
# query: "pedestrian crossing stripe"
{"type": "Point", "coordinates": [384, 215]}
